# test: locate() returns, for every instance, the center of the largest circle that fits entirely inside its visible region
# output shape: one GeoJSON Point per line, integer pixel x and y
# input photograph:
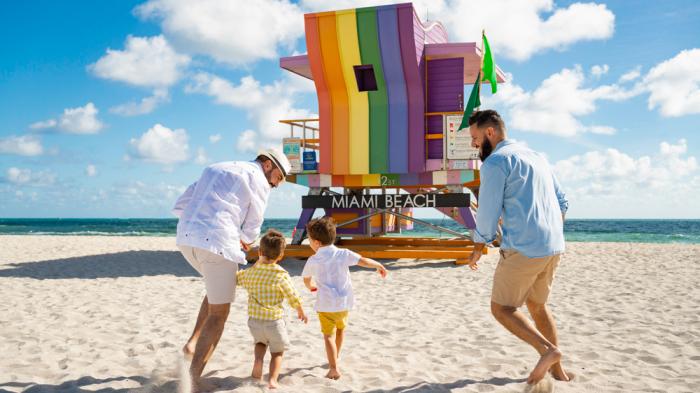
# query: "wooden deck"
{"type": "Point", "coordinates": [393, 248]}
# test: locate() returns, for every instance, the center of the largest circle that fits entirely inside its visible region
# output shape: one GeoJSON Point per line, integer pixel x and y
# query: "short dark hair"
{"type": "Point", "coordinates": [262, 159]}
{"type": "Point", "coordinates": [322, 229]}
{"type": "Point", "coordinates": [272, 244]}
{"type": "Point", "coordinates": [487, 118]}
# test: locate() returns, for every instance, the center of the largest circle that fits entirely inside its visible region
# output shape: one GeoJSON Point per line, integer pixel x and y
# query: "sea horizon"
{"type": "Point", "coordinates": [629, 230]}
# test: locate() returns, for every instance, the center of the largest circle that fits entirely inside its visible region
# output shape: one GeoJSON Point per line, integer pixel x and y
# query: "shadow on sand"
{"type": "Point", "coordinates": [120, 264]}
{"type": "Point", "coordinates": [150, 263]}
{"type": "Point", "coordinates": [87, 384]}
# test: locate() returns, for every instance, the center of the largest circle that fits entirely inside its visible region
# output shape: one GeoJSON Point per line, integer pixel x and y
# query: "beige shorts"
{"type": "Point", "coordinates": [219, 273]}
{"type": "Point", "coordinates": [519, 278]}
{"type": "Point", "coordinates": [270, 333]}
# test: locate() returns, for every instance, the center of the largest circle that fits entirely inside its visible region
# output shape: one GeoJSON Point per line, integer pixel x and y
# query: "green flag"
{"type": "Point", "coordinates": [489, 66]}
{"type": "Point", "coordinates": [474, 102]}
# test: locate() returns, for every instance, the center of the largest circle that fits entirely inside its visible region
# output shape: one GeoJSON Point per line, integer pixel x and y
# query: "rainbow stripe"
{"type": "Point", "coordinates": [425, 179]}
{"type": "Point", "coordinates": [377, 131]}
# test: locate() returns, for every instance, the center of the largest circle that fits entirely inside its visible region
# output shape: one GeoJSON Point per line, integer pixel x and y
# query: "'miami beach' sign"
{"type": "Point", "coordinates": [385, 201]}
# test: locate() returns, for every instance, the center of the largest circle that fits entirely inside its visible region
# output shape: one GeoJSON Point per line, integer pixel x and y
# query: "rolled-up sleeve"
{"type": "Point", "coordinates": [561, 196]}
{"type": "Point", "coordinates": [493, 180]}
{"type": "Point", "coordinates": [183, 200]}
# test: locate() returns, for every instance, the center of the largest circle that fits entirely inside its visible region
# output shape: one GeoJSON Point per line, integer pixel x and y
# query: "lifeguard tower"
{"type": "Point", "coordinates": [390, 98]}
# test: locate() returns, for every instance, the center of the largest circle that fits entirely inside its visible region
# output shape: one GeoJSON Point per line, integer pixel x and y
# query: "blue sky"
{"type": "Point", "coordinates": [111, 108]}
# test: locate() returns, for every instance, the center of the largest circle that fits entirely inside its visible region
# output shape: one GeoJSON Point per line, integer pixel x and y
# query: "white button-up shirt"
{"type": "Point", "coordinates": [329, 268]}
{"type": "Point", "coordinates": [226, 205]}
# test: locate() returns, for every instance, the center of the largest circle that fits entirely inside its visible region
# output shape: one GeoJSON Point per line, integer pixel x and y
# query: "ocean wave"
{"type": "Point", "coordinates": [93, 233]}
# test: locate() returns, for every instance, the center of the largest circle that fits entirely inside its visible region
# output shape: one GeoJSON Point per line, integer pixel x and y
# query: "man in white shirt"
{"type": "Point", "coordinates": [220, 215]}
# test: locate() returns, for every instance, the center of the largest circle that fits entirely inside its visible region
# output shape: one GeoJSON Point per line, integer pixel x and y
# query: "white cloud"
{"type": "Point", "coordinates": [670, 150]}
{"type": "Point", "coordinates": [214, 138]}
{"type": "Point", "coordinates": [201, 158]}
{"type": "Point", "coordinates": [597, 70]}
{"type": "Point", "coordinates": [40, 125]}
{"type": "Point", "coordinates": [233, 32]}
{"type": "Point", "coordinates": [91, 170]}
{"type": "Point", "coordinates": [80, 120]}
{"type": "Point", "coordinates": [556, 106]}
{"type": "Point", "coordinates": [27, 145]}
{"type": "Point", "coordinates": [611, 183]}
{"type": "Point", "coordinates": [139, 194]}
{"type": "Point", "coordinates": [631, 75]}
{"type": "Point", "coordinates": [145, 62]}
{"type": "Point", "coordinates": [161, 145]}
{"type": "Point", "coordinates": [145, 106]}
{"type": "Point", "coordinates": [27, 177]}
{"type": "Point", "coordinates": [516, 29]}
{"type": "Point", "coordinates": [264, 104]}
{"type": "Point", "coordinates": [621, 174]}
{"type": "Point", "coordinates": [247, 142]}
{"type": "Point", "coordinates": [674, 85]}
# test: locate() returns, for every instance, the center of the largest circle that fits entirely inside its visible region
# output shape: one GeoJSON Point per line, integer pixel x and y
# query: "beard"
{"type": "Point", "coordinates": [268, 176]}
{"type": "Point", "coordinates": [485, 149]}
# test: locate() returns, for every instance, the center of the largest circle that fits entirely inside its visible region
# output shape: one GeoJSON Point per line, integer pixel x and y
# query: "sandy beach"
{"type": "Point", "coordinates": [83, 314]}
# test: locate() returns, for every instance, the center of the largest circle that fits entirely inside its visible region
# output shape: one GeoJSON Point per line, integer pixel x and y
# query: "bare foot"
{"type": "Point", "coordinates": [188, 351]}
{"type": "Point", "coordinates": [273, 384]}
{"type": "Point", "coordinates": [546, 361]}
{"type": "Point", "coordinates": [257, 370]}
{"type": "Point", "coordinates": [333, 374]}
{"type": "Point", "coordinates": [559, 374]}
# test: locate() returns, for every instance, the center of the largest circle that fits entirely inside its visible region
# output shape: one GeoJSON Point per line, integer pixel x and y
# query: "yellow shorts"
{"type": "Point", "coordinates": [332, 320]}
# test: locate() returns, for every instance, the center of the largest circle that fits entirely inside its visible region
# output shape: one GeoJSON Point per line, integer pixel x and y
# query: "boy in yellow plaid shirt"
{"type": "Point", "coordinates": [268, 284]}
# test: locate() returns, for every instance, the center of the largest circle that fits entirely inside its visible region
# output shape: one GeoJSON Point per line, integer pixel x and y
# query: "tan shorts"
{"type": "Point", "coordinates": [519, 278]}
{"type": "Point", "coordinates": [270, 333]}
{"type": "Point", "coordinates": [219, 273]}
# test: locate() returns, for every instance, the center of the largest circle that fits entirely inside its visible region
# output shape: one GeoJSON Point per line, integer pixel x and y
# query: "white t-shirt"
{"type": "Point", "coordinates": [329, 268]}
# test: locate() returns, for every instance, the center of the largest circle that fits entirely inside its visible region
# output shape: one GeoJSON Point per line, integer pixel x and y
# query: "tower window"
{"type": "Point", "coordinates": [364, 74]}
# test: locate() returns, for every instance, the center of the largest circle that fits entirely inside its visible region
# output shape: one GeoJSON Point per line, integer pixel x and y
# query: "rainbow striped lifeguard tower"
{"type": "Point", "coordinates": [390, 97]}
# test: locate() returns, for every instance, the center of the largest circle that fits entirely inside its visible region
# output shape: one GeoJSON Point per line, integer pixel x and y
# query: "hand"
{"type": "Point", "coordinates": [302, 316]}
{"type": "Point", "coordinates": [476, 255]}
{"type": "Point", "coordinates": [245, 246]}
{"type": "Point", "coordinates": [382, 271]}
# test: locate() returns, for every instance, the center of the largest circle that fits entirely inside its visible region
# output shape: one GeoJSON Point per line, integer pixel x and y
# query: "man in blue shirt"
{"type": "Point", "coordinates": [519, 187]}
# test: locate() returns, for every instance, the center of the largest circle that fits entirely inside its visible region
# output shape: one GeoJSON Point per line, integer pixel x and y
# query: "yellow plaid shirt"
{"type": "Point", "coordinates": [268, 285]}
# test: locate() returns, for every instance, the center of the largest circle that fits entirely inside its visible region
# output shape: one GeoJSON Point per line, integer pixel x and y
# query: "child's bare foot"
{"type": "Point", "coordinates": [546, 361]}
{"type": "Point", "coordinates": [273, 384]}
{"type": "Point", "coordinates": [333, 374]}
{"type": "Point", "coordinates": [559, 374]}
{"type": "Point", "coordinates": [257, 370]}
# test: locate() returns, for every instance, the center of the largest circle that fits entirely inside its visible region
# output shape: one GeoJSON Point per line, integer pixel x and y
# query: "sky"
{"type": "Point", "coordinates": [112, 108]}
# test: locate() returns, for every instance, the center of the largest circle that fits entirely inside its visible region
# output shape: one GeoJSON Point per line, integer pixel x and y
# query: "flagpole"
{"type": "Point", "coordinates": [481, 63]}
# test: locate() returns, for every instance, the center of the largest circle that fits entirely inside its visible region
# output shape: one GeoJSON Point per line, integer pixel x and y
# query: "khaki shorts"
{"type": "Point", "coordinates": [332, 320]}
{"type": "Point", "coordinates": [270, 333]}
{"type": "Point", "coordinates": [519, 278]}
{"type": "Point", "coordinates": [219, 273]}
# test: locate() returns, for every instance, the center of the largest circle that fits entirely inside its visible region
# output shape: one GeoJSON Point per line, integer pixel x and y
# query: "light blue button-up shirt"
{"type": "Point", "coordinates": [519, 185]}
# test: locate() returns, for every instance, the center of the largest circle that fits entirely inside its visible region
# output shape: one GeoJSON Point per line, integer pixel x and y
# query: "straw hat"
{"type": "Point", "coordinates": [278, 158]}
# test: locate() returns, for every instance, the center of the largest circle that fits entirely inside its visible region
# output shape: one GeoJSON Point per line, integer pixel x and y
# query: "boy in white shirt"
{"type": "Point", "coordinates": [329, 269]}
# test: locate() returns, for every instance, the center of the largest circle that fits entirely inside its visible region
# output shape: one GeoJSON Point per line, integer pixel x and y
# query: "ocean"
{"type": "Point", "coordinates": [631, 231]}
